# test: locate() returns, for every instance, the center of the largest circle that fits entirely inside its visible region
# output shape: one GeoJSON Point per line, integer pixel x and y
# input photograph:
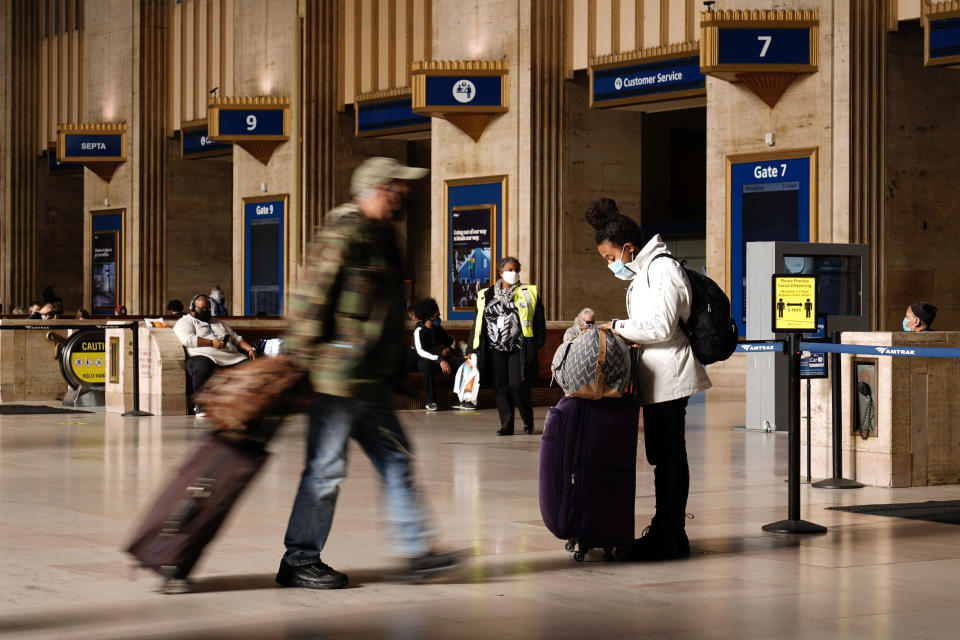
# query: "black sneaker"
{"type": "Point", "coordinates": [653, 544]}
{"type": "Point", "coordinates": [176, 586]}
{"type": "Point", "coordinates": [528, 429]}
{"type": "Point", "coordinates": [431, 564]}
{"type": "Point", "coordinates": [432, 406]}
{"type": "Point", "coordinates": [198, 411]}
{"type": "Point", "coordinates": [467, 406]}
{"type": "Point", "coordinates": [504, 432]}
{"type": "Point", "coordinates": [311, 576]}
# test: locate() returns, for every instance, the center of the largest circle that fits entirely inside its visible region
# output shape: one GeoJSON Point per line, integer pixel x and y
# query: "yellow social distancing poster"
{"type": "Point", "coordinates": [794, 303]}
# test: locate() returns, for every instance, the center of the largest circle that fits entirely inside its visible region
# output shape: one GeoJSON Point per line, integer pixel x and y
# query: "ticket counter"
{"type": "Point", "coordinates": [901, 415]}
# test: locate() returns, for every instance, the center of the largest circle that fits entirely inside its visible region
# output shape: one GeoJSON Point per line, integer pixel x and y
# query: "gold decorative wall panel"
{"type": "Point", "coordinates": [377, 41]}
{"type": "Point", "coordinates": [200, 57]}
{"type": "Point", "coordinates": [61, 66]}
{"type": "Point", "coordinates": [597, 28]}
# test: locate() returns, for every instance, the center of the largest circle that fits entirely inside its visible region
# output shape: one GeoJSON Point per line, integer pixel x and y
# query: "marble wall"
{"type": "Point", "coordinates": [603, 151]}
{"type": "Point", "coordinates": [921, 203]}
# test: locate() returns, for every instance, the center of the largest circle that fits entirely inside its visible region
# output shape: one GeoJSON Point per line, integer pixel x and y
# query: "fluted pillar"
{"type": "Point", "coordinates": [546, 153]}
{"type": "Point", "coordinates": [18, 157]}
{"type": "Point", "coordinates": [320, 99]}
{"type": "Point", "coordinates": [868, 56]}
{"type": "Point", "coordinates": [151, 156]}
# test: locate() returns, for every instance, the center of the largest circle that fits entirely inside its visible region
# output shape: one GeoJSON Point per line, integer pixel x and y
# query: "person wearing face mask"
{"type": "Point", "coordinates": [919, 316]}
{"type": "Point", "coordinates": [665, 371]}
{"type": "Point", "coordinates": [581, 323]}
{"type": "Point", "coordinates": [210, 343]}
{"type": "Point", "coordinates": [434, 349]}
{"type": "Point", "coordinates": [508, 329]}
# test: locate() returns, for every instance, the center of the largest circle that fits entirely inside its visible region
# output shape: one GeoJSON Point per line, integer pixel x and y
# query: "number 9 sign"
{"type": "Point", "coordinates": [251, 122]}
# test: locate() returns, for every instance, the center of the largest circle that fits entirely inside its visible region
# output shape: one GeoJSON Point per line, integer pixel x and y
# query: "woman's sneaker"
{"type": "Point", "coordinates": [432, 406]}
{"type": "Point", "coordinates": [430, 564]}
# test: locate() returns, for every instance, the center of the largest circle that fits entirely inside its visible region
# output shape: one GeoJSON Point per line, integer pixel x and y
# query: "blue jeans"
{"type": "Point", "coordinates": [374, 425]}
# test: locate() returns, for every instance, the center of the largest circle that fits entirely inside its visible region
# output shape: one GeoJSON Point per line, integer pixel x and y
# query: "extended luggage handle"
{"type": "Point", "coordinates": [601, 360]}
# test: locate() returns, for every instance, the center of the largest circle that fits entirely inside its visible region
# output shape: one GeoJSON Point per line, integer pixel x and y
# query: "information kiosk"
{"type": "Point", "coordinates": [843, 293]}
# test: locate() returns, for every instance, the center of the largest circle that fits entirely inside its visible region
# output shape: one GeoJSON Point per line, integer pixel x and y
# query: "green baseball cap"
{"type": "Point", "coordinates": [377, 171]}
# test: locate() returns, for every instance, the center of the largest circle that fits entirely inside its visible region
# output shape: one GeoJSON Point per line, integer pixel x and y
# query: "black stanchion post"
{"type": "Point", "coordinates": [135, 327]}
{"type": "Point", "coordinates": [837, 481]}
{"type": "Point", "coordinates": [809, 420]}
{"type": "Point", "coordinates": [793, 523]}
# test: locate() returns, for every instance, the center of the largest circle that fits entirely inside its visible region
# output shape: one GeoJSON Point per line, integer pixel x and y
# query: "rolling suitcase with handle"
{"type": "Point", "coordinates": [588, 461]}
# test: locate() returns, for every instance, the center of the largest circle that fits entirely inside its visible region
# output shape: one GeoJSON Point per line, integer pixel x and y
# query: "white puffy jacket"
{"type": "Point", "coordinates": [668, 368]}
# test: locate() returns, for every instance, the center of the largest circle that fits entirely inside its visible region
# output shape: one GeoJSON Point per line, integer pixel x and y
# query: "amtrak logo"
{"type": "Point", "coordinates": [618, 84]}
{"type": "Point", "coordinates": [893, 351]}
{"type": "Point", "coordinates": [464, 91]}
{"type": "Point", "coordinates": [758, 347]}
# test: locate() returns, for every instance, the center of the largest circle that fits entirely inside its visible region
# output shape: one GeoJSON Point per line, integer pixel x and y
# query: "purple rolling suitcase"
{"type": "Point", "coordinates": [588, 467]}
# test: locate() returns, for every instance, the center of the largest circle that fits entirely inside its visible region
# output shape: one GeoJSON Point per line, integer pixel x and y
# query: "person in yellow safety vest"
{"type": "Point", "coordinates": [508, 330]}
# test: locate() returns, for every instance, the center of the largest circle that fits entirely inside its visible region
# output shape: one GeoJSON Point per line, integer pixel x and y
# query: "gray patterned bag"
{"type": "Point", "coordinates": [594, 365]}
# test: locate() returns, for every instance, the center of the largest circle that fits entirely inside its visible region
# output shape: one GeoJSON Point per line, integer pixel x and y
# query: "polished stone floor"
{"type": "Point", "coordinates": [72, 486]}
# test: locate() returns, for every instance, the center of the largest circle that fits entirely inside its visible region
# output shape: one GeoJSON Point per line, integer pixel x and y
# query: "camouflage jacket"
{"type": "Point", "coordinates": [345, 316]}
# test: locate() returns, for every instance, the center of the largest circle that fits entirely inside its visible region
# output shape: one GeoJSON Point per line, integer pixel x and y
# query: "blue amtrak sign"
{"type": "Point", "coordinates": [389, 117]}
{"type": "Point", "coordinates": [195, 142]}
{"type": "Point", "coordinates": [941, 34]}
{"type": "Point", "coordinates": [639, 82]}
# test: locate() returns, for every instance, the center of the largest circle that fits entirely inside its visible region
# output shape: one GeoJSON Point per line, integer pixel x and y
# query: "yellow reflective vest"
{"type": "Point", "coordinates": [525, 297]}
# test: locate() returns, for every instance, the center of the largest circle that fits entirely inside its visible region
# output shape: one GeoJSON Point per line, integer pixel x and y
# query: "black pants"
{"type": "Point", "coordinates": [512, 391]}
{"type": "Point", "coordinates": [201, 368]}
{"type": "Point", "coordinates": [666, 447]}
{"type": "Point", "coordinates": [430, 368]}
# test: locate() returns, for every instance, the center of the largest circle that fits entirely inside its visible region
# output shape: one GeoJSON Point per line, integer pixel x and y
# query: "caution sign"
{"type": "Point", "coordinates": [87, 356]}
{"type": "Point", "coordinates": [794, 303]}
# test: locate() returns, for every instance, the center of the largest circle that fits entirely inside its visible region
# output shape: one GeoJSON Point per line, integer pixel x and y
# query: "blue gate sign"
{"type": "Point", "coordinates": [612, 85]}
{"type": "Point", "coordinates": [263, 255]}
{"type": "Point", "coordinates": [252, 123]}
{"type": "Point", "coordinates": [771, 199]}
{"type": "Point", "coordinates": [764, 46]}
{"type": "Point", "coordinates": [195, 142]}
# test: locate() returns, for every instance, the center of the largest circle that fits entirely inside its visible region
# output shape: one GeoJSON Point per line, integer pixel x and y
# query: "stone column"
{"type": "Point", "coordinates": [320, 86]}
{"type": "Point", "coordinates": [125, 79]}
{"type": "Point", "coordinates": [152, 156]}
{"type": "Point", "coordinates": [868, 57]}
{"type": "Point", "coordinates": [19, 122]}
{"type": "Point", "coordinates": [548, 28]}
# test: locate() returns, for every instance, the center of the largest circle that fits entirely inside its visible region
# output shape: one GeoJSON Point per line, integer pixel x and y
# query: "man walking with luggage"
{"type": "Point", "coordinates": [346, 328]}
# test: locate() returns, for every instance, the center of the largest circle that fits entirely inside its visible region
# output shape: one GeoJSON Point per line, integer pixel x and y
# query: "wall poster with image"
{"type": "Point", "coordinates": [471, 231]}
{"type": "Point", "coordinates": [106, 264]}
{"type": "Point", "coordinates": [475, 219]}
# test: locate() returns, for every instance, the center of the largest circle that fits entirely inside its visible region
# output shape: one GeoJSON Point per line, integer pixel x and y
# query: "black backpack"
{"type": "Point", "coordinates": [712, 332]}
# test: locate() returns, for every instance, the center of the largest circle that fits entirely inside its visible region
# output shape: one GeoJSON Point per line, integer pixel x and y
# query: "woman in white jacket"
{"type": "Point", "coordinates": [665, 374]}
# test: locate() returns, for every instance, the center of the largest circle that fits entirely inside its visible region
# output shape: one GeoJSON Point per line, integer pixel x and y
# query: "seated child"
{"type": "Point", "coordinates": [433, 347]}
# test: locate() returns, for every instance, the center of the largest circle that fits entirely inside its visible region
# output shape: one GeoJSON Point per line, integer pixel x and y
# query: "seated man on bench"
{"type": "Point", "coordinates": [210, 344]}
{"type": "Point", "coordinates": [434, 348]}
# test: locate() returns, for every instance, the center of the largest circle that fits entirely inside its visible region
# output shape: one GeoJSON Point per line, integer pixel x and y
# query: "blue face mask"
{"type": "Point", "coordinates": [621, 270]}
{"type": "Point", "coordinates": [906, 327]}
{"type": "Point", "coordinates": [435, 321]}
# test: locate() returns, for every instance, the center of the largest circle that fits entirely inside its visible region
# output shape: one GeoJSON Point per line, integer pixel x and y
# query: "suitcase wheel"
{"type": "Point", "coordinates": [580, 555]}
{"type": "Point", "coordinates": [570, 545]}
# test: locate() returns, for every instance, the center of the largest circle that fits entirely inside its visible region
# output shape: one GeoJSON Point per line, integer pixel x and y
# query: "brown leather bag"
{"type": "Point", "coordinates": [236, 399]}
